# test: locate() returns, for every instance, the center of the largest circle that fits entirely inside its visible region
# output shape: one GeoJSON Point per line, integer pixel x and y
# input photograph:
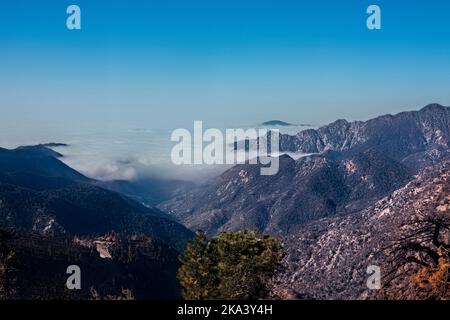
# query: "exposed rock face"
{"type": "Point", "coordinates": [144, 267]}
{"type": "Point", "coordinates": [356, 163]}
{"type": "Point", "coordinates": [328, 258]}
{"type": "Point", "coordinates": [403, 137]}
{"type": "Point", "coordinates": [357, 201]}
{"type": "Point", "coordinates": [304, 190]}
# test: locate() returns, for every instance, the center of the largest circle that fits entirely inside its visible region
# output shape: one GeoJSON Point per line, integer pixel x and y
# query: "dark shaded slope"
{"type": "Point", "coordinates": [302, 191]}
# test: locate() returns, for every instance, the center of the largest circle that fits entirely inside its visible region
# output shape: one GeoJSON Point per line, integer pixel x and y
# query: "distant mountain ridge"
{"type": "Point", "coordinates": [276, 123]}
{"type": "Point", "coordinates": [38, 161]}
{"type": "Point", "coordinates": [39, 192]}
{"type": "Point", "coordinates": [405, 136]}
{"type": "Point", "coordinates": [370, 194]}
{"type": "Point", "coordinates": [354, 165]}
{"type": "Point", "coordinates": [362, 189]}
{"type": "Point", "coordinates": [303, 190]}
{"type": "Point", "coordinates": [59, 217]}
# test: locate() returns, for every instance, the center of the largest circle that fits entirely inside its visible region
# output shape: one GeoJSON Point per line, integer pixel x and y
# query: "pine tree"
{"type": "Point", "coordinates": [233, 265]}
{"type": "Point", "coordinates": [195, 272]}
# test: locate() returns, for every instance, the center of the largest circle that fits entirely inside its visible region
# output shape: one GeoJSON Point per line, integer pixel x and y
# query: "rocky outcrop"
{"type": "Point", "coordinates": [328, 259]}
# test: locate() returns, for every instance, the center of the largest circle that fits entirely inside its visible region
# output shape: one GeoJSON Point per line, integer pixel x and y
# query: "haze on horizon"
{"type": "Point", "coordinates": [160, 65]}
{"type": "Point", "coordinates": [167, 63]}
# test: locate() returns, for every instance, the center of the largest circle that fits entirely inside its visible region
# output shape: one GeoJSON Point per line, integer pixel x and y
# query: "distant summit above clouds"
{"type": "Point", "coordinates": [38, 160]}
{"type": "Point", "coordinates": [285, 124]}
{"type": "Point", "coordinates": [276, 123]}
{"type": "Point", "coordinates": [406, 136]}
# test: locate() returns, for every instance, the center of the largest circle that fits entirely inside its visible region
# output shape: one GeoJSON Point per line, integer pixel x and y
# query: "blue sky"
{"type": "Point", "coordinates": [166, 63]}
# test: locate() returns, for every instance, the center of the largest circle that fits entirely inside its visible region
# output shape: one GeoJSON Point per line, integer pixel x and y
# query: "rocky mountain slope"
{"type": "Point", "coordinates": [422, 135]}
{"type": "Point", "coordinates": [303, 190]}
{"type": "Point", "coordinates": [58, 217]}
{"type": "Point", "coordinates": [38, 192]}
{"type": "Point", "coordinates": [136, 267]}
{"type": "Point", "coordinates": [84, 210]}
{"type": "Point", "coordinates": [328, 259]}
{"type": "Point", "coordinates": [354, 165]}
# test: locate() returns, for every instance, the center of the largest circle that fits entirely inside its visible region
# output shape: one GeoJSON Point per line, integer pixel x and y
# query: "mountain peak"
{"type": "Point", "coordinates": [37, 160]}
{"type": "Point", "coordinates": [39, 150]}
{"type": "Point", "coordinates": [433, 106]}
{"type": "Point", "coordinates": [276, 123]}
{"type": "Point", "coordinates": [339, 122]}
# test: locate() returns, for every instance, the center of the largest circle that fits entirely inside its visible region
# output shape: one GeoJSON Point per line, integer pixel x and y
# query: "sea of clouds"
{"type": "Point", "coordinates": [122, 153]}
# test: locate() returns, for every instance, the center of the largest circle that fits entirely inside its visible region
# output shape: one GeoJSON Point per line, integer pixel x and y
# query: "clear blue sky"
{"type": "Point", "coordinates": [166, 63]}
